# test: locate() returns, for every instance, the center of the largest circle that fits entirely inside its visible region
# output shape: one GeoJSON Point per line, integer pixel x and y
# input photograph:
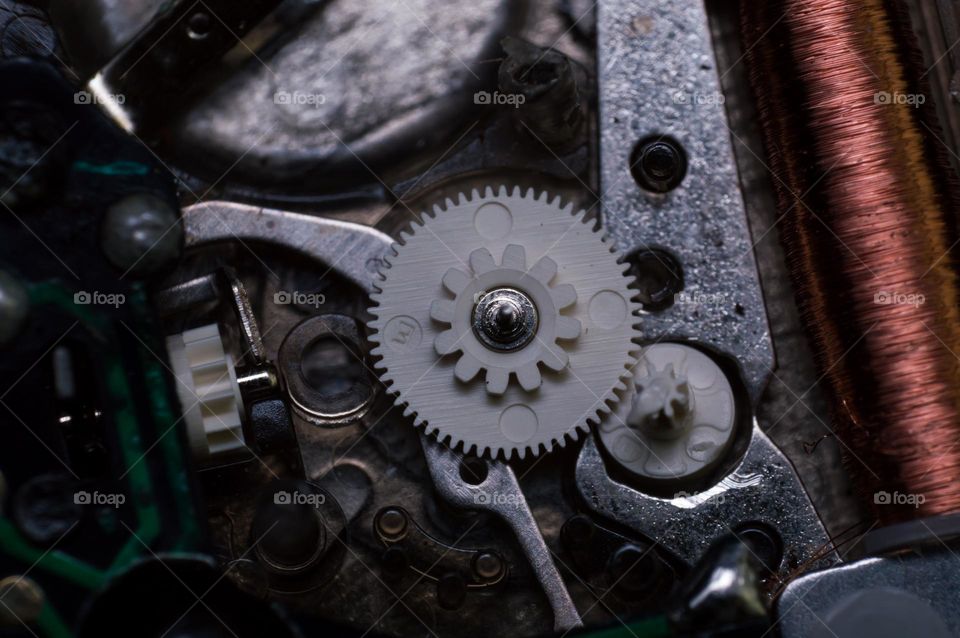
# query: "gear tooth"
{"type": "Point", "coordinates": [544, 270]}
{"type": "Point", "coordinates": [449, 203]}
{"type": "Point", "coordinates": [556, 202]}
{"type": "Point", "coordinates": [528, 376]}
{"type": "Point", "coordinates": [555, 358]}
{"type": "Point", "coordinates": [474, 195]}
{"type": "Point", "coordinates": [515, 257]}
{"type": "Point", "coordinates": [446, 343]}
{"type": "Point", "coordinates": [442, 310]}
{"type": "Point", "coordinates": [488, 192]}
{"type": "Point", "coordinates": [502, 191]}
{"type": "Point", "coordinates": [530, 194]}
{"type": "Point", "coordinates": [481, 261]}
{"type": "Point", "coordinates": [461, 198]}
{"type": "Point", "coordinates": [455, 280]}
{"type": "Point", "coordinates": [467, 367]}
{"type": "Point", "coordinates": [437, 209]}
{"type": "Point", "coordinates": [568, 208]}
{"type": "Point", "coordinates": [563, 295]}
{"type": "Point", "coordinates": [497, 380]}
{"type": "Point", "coordinates": [543, 197]}
{"type": "Point", "coordinates": [568, 327]}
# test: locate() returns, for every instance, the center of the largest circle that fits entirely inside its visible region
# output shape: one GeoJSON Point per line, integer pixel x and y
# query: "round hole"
{"type": "Point", "coordinates": [473, 471]}
{"type": "Point", "coordinates": [764, 542]}
{"type": "Point", "coordinates": [199, 25]}
{"type": "Point", "coordinates": [659, 277]}
{"type": "Point", "coordinates": [658, 164]}
{"type": "Point", "coordinates": [330, 368]}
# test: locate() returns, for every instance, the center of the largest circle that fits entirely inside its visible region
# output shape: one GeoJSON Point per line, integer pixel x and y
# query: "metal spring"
{"type": "Point", "coordinates": [868, 223]}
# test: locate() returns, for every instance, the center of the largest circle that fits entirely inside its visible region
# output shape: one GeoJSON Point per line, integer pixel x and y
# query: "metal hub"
{"type": "Point", "coordinates": [505, 319]}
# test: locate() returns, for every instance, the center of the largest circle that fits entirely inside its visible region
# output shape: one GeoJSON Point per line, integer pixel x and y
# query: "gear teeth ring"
{"type": "Point", "coordinates": [431, 346]}
{"type": "Point", "coordinates": [544, 348]}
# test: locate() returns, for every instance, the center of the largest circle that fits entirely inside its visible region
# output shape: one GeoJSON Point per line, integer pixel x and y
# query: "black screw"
{"type": "Point", "coordinates": [659, 277]}
{"type": "Point", "coordinates": [658, 164]}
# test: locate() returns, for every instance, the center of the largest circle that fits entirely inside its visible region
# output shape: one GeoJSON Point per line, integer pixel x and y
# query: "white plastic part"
{"type": "Point", "coordinates": [493, 402]}
{"type": "Point", "coordinates": [209, 393]}
{"type": "Point", "coordinates": [677, 420]}
{"type": "Point", "coordinates": [512, 272]}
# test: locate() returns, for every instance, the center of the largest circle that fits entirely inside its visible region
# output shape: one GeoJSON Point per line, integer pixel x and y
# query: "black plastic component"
{"type": "Point", "coordinates": [270, 429]}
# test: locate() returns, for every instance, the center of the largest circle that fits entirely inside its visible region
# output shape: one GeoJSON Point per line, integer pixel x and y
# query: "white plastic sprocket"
{"type": "Point", "coordinates": [520, 402]}
{"type": "Point", "coordinates": [469, 288]}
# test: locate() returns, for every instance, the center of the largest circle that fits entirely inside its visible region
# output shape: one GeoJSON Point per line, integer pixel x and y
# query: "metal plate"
{"type": "Point", "coordinates": [762, 489]}
{"type": "Point", "coordinates": [658, 77]}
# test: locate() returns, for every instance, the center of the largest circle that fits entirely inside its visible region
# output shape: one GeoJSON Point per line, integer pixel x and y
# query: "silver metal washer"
{"type": "Point", "coordinates": [505, 319]}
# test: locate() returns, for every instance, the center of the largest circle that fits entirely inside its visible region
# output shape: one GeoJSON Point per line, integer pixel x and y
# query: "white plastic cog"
{"type": "Point", "coordinates": [512, 274]}
{"type": "Point", "coordinates": [504, 323]}
{"type": "Point", "coordinates": [209, 392]}
{"type": "Point", "coordinates": [677, 419]}
{"type": "Point", "coordinates": [661, 406]}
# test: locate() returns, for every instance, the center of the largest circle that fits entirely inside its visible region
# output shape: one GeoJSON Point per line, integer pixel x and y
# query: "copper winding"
{"type": "Point", "coordinates": [868, 209]}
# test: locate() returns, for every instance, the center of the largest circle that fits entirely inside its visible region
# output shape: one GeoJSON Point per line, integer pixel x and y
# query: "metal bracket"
{"type": "Point", "coordinates": [500, 494]}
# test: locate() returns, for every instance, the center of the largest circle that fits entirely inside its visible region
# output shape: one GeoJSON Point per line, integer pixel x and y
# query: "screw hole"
{"type": "Point", "coordinates": [473, 471]}
{"type": "Point", "coordinates": [659, 277]}
{"type": "Point", "coordinates": [658, 164]}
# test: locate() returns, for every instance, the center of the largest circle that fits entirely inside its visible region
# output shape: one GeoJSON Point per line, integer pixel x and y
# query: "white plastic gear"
{"type": "Point", "coordinates": [662, 404]}
{"type": "Point", "coordinates": [209, 392]}
{"type": "Point", "coordinates": [512, 273]}
{"type": "Point", "coordinates": [677, 419]}
{"type": "Point", "coordinates": [579, 281]}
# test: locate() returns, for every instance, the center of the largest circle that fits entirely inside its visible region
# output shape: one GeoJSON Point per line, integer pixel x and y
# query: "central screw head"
{"type": "Point", "coordinates": [505, 319]}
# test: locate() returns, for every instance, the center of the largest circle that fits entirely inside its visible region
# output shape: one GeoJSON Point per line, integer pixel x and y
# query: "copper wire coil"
{"type": "Point", "coordinates": [868, 208]}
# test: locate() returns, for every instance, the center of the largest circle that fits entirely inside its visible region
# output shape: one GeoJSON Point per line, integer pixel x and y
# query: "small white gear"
{"type": "Point", "coordinates": [559, 285]}
{"type": "Point", "coordinates": [513, 274]}
{"type": "Point", "coordinates": [677, 419]}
